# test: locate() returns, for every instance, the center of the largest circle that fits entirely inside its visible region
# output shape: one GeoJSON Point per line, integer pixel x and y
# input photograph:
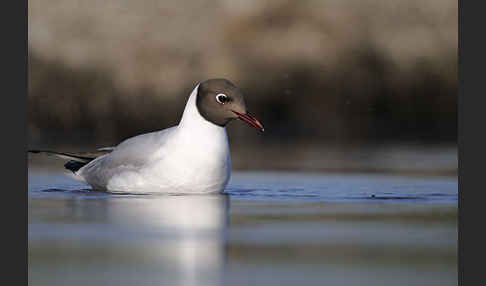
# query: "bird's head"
{"type": "Point", "coordinates": [220, 101]}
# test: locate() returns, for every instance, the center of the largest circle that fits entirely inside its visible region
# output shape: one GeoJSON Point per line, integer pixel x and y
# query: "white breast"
{"type": "Point", "coordinates": [192, 158]}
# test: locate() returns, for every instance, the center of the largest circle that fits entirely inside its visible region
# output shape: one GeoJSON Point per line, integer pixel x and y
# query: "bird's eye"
{"type": "Point", "coordinates": [222, 98]}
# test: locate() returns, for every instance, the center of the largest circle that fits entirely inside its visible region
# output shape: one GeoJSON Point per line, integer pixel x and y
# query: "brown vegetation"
{"type": "Point", "coordinates": [314, 71]}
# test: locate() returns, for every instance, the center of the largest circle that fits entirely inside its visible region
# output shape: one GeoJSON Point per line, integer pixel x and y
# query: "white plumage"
{"type": "Point", "coordinates": [192, 157]}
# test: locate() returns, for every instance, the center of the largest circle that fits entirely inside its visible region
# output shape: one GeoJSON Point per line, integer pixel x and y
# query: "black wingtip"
{"type": "Point", "coordinates": [74, 166]}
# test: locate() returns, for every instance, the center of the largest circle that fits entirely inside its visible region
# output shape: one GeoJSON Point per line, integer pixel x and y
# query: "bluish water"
{"type": "Point", "coordinates": [270, 228]}
{"type": "Point", "coordinates": [341, 188]}
{"type": "Point", "coordinates": [284, 186]}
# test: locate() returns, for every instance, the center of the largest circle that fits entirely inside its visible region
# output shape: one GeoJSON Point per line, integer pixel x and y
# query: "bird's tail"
{"type": "Point", "coordinates": [76, 161]}
{"type": "Point", "coordinates": [69, 156]}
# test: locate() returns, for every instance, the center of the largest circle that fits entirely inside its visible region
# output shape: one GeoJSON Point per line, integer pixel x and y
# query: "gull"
{"type": "Point", "coordinates": [191, 157]}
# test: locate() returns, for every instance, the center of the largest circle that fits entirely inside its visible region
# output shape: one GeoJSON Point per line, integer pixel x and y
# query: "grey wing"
{"type": "Point", "coordinates": [106, 149]}
{"type": "Point", "coordinates": [132, 153]}
{"type": "Point", "coordinates": [76, 159]}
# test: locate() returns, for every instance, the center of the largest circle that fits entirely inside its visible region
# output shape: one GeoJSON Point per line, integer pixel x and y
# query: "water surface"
{"type": "Point", "coordinates": [270, 228]}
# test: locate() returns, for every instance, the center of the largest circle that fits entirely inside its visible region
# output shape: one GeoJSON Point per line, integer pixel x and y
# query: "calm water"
{"type": "Point", "coordinates": [269, 229]}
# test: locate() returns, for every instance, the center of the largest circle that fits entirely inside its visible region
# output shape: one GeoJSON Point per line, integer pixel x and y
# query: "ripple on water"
{"type": "Point", "coordinates": [299, 187]}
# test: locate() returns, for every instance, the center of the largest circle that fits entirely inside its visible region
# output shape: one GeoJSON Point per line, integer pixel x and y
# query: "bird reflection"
{"type": "Point", "coordinates": [183, 235]}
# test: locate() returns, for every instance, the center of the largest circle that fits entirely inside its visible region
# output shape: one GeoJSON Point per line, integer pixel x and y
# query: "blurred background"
{"type": "Point", "coordinates": [347, 85]}
{"type": "Point", "coordinates": [353, 182]}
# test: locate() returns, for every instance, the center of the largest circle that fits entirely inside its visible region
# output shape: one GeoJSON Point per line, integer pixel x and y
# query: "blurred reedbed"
{"type": "Point", "coordinates": [332, 72]}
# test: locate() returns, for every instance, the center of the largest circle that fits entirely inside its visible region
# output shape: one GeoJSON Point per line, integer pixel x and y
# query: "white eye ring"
{"type": "Point", "coordinates": [222, 98]}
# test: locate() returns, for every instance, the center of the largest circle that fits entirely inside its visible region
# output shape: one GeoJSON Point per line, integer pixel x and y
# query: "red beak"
{"type": "Point", "coordinates": [250, 119]}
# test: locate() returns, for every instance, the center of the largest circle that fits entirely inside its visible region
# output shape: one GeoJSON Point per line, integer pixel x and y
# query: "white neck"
{"type": "Point", "coordinates": [192, 120]}
{"type": "Point", "coordinates": [197, 153]}
{"type": "Point", "coordinates": [205, 145]}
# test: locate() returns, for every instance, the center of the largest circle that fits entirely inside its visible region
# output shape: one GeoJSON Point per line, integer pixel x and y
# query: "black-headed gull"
{"type": "Point", "coordinates": [191, 157]}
